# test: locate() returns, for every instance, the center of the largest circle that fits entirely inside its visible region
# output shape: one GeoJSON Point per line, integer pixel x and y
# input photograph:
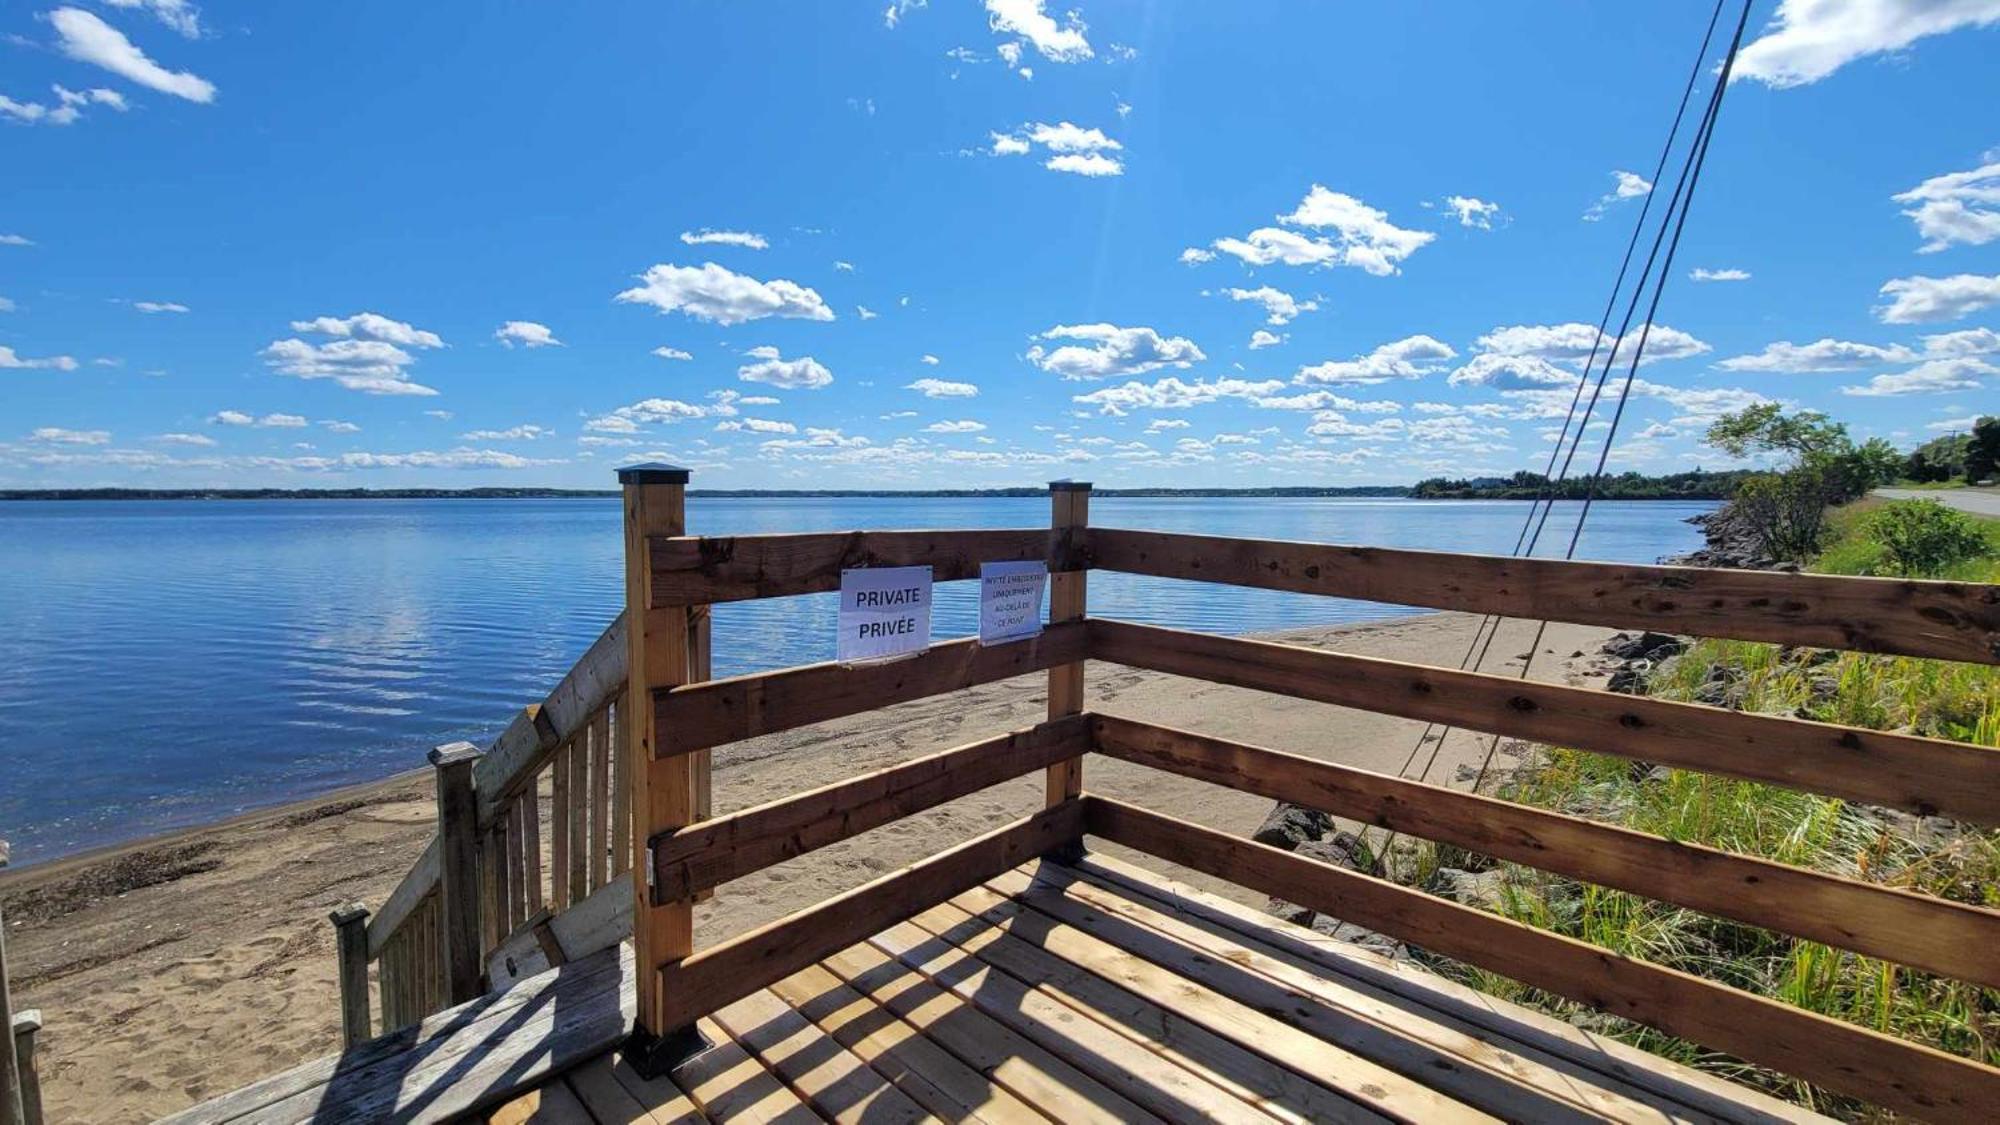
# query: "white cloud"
{"type": "Point", "coordinates": [665, 352]}
{"type": "Point", "coordinates": [1361, 236]}
{"type": "Point", "coordinates": [363, 357]}
{"type": "Point", "coordinates": [1173, 393]}
{"type": "Point", "coordinates": [334, 425]}
{"type": "Point", "coordinates": [1932, 376]}
{"type": "Point", "coordinates": [441, 415]}
{"type": "Point", "coordinates": [177, 14]}
{"type": "Point", "coordinates": [159, 306]}
{"type": "Point", "coordinates": [1970, 341]}
{"type": "Point", "coordinates": [1323, 400]}
{"type": "Point", "coordinates": [942, 388]}
{"type": "Point", "coordinates": [865, 313]}
{"type": "Point", "coordinates": [1280, 307]}
{"type": "Point", "coordinates": [965, 427]}
{"type": "Point", "coordinates": [1409, 358]}
{"type": "Point", "coordinates": [1111, 351]}
{"type": "Point", "coordinates": [68, 108]}
{"type": "Point", "coordinates": [804, 373]}
{"type": "Point", "coordinates": [1510, 372]}
{"type": "Point", "coordinates": [1331, 423]}
{"type": "Point", "coordinates": [1058, 42]}
{"type": "Point", "coordinates": [1161, 425]}
{"type": "Point", "coordinates": [1571, 343]}
{"type": "Point", "coordinates": [930, 360]}
{"type": "Point", "coordinates": [56, 435]}
{"type": "Point", "coordinates": [748, 400]}
{"type": "Point", "coordinates": [1700, 274]}
{"type": "Point", "coordinates": [1088, 164]}
{"type": "Point", "coordinates": [1809, 39]}
{"type": "Point", "coordinates": [268, 421]}
{"type": "Point", "coordinates": [1195, 255]}
{"type": "Point", "coordinates": [11, 361]}
{"type": "Point", "coordinates": [1959, 207]}
{"type": "Point", "coordinates": [1472, 212]}
{"type": "Point", "coordinates": [704, 237]}
{"type": "Point", "coordinates": [231, 418]}
{"type": "Point", "coordinates": [710, 292]}
{"type": "Point", "coordinates": [1005, 145]}
{"type": "Point", "coordinates": [1953, 425]}
{"type": "Point", "coordinates": [512, 433]}
{"type": "Point", "coordinates": [900, 8]}
{"type": "Point", "coordinates": [1820, 355]}
{"type": "Point", "coordinates": [1628, 185]}
{"type": "Point", "coordinates": [7, 305]}
{"type": "Point", "coordinates": [15, 240]}
{"type": "Point", "coordinates": [1918, 299]}
{"type": "Point", "coordinates": [86, 38]}
{"type": "Point", "coordinates": [651, 411]}
{"type": "Point", "coordinates": [185, 439]}
{"type": "Point", "coordinates": [1263, 339]}
{"type": "Point", "coordinates": [370, 326]}
{"type": "Point", "coordinates": [526, 333]}
{"type": "Point", "coordinates": [282, 421]}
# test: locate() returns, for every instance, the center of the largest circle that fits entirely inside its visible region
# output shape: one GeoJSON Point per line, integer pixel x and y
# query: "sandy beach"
{"type": "Point", "coordinates": [177, 968]}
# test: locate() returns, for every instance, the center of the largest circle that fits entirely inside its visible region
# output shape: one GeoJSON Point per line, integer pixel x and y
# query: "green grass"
{"type": "Point", "coordinates": [1849, 550]}
{"type": "Point", "coordinates": [1933, 698]}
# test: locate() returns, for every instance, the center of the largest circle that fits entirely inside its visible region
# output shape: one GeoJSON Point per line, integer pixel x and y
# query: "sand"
{"type": "Point", "coordinates": [181, 967]}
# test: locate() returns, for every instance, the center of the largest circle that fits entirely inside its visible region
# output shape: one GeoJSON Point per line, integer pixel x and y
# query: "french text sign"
{"type": "Point", "coordinates": [884, 611]}
{"type": "Point", "coordinates": [1010, 600]}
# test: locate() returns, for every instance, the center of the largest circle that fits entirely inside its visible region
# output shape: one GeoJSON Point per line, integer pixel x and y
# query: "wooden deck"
{"type": "Point", "coordinates": [1092, 992]}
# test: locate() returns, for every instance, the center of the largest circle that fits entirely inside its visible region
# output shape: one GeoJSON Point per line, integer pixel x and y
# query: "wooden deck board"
{"type": "Point", "coordinates": [1095, 991]}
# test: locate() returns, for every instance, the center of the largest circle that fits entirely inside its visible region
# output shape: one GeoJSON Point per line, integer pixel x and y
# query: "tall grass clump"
{"type": "Point", "coordinates": [1931, 856]}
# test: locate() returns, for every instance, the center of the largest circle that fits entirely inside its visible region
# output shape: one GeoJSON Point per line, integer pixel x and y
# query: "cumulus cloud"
{"type": "Point", "coordinates": [1914, 300]}
{"type": "Point", "coordinates": [267, 422]}
{"type": "Point", "coordinates": [367, 353]}
{"type": "Point", "coordinates": [756, 426]}
{"type": "Point", "coordinates": [371, 326]}
{"type": "Point", "coordinates": [1263, 339]}
{"type": "Point", "coordinates": [705, 237]}
{"type": "Point", "coordinates": [710, 292]}
{"type": "Point", "coordinates": [86, 38]}
{"type": "Point", "coordinates": [1349, 233]}
{"type": "Point", "coordinates": [1970, 341]}
{"type": "Point", "coordinates": [1028, 20]}
{"type": "Point", "coordinates": [177, 14]}
{"type": "Point", "coordinates": [1571, 343]}
{"type": "Point", "coordinates": [526, 333]}
{"type": "Point", "coordinates": [1931, 377]}
{"type": "Point", "coordinates": [1626, 185]}
{"type": "Point", "coordinates": [1700, 274]}
{"type": "Point", "coordinates": [665, 352]}
{"type": "Point", "coordinates": [1409, 358]}
{"type": "Point", "coordinates": [1280, 307]}
{"type": "Point", "coordinates": [1510, 372]}
{"type": "Point", "coordinates": [1821, 355]}
{"type": "Point", "coordinates": [185, 439]}
{"type": "Point", "coordinates": [942, 388]}
{"type": "Point", "coordinates": [1174, 393]}
{"type": "Point", "coordinates": [56, 435]}
{"type": "Point", "coordinates": [1809, 39]}
{"type": "Point", "coordinates": [804, 373]}
{"type": "Point", "coordinates": [1070, 148]}
{"type": "Point", "coordinates": [1195, 255]}
{"type": "Point", "coordinates": [963, 427]}
{"type": "Point", "coordinates": [67, 108]}
{"type": "Point", "coordinates": [512, 433]}
{"type": "Point", "coordinates": [15, 240]}
{"type": "Point", "coordinates": [1085, 164]}
{"type": "Point", "coordinates": [1956, 208]}
{"type": "Point", "coordinates": [159, 306]}
{"type": "Point", "coordinates": [1109, 351]}
{"type": "Point", "coordinates": [9, 360]}
{"type": "Point", "coordinates": [1471, 212]}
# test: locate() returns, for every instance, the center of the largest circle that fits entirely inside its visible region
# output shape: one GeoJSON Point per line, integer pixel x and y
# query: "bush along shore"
{"type": "Point", "coordinates": [1928, 855]}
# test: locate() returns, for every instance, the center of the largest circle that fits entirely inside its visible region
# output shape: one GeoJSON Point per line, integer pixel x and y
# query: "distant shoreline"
{"type": "Point", "coordinates": [1393, 491]}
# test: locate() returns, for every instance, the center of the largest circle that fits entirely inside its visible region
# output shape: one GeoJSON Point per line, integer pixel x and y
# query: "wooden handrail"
{"type": "Point", "coordinates": [712, 852]}
{"type": "Point", "coordinates": [1921, 775]}
{"type": "Point", "coordinates": [1933, 934]}
{"type": "Point", "coordinates": [702, 982]}
{"type": "Point", "coordinates": [1944, 620]}
{"type": "Point", "coordinates": [527, 744]}
{"type": "Point", "coordinates": [696, 570]}
{"type": "Point", "coordinates": [716, 712]}
{"type": "Point", "coordinates": [1902, 1076]}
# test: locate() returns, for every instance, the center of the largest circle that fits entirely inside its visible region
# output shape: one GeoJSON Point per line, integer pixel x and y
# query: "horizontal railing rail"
{"type": "Point", "coordinates": [697, 570]}
{"type": "Point", "coordinates": [1909, 617]}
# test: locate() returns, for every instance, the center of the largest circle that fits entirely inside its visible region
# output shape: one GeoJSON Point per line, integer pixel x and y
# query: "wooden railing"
{"type": "Point", "coordinates": [671, 579]}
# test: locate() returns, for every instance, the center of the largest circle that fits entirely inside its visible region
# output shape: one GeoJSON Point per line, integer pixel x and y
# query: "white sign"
{"type": "Point", "coordinates": [1010, 600]}
{"type": "Point", "coordinates": [884, 611]}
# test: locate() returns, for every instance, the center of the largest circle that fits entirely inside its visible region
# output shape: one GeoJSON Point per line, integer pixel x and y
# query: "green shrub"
{"type": "Point", "coordinates": [1787, 511]}
{"type": "Point", "coordinates": [1922, 538]}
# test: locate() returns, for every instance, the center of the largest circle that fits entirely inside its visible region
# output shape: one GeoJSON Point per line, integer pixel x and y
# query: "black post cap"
{"type": "Point", "coordinates": [1069, 486]}
{"type": "Point", "coordinates": [653, 472]}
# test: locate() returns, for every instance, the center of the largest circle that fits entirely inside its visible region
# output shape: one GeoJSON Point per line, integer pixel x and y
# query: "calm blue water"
{"type": "Point", "coordinates": [165, 663]}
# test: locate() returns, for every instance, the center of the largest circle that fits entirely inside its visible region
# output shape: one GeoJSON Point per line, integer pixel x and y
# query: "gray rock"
{"type": "Point", "coordinates": [1468, 888]}
{"type": "Point", "coordinates": [1368, 939]}
{"type": "Point", "coordinates": [1288, 826]}
{"type": "Point", "coordinates": [1646, 646]}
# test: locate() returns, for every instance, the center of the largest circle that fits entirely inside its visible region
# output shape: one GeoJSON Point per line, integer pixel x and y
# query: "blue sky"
{"type": "Point", "coordinates": [960, 244]}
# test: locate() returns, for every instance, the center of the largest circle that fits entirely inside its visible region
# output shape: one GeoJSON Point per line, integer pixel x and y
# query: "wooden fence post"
{"type": "Point", "coordinates": [26, 1024]}
{"type": "Point", "coordinates": [660, 652]}
{"type": "Point", "coordinates": [11, 1112]}
{"type": "Point", "coordinates": [1069, 513]}
{"type": "Point", "coordinates": [350, 936]}
{"type": "Point", "coordinates": [458, 869]}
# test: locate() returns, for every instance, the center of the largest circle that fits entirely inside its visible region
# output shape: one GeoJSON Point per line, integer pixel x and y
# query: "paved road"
{"type": "Point", "coordinates": [1978, 501]}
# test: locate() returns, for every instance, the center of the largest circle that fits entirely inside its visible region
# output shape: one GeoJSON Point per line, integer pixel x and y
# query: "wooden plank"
{"type": "Point", "coordinates": [713, 852]}
{"type": "Point", "coordinates": [621, 790]}
{"type": "Point", "coordinates": [559, 829]}
{"type": "Point", "coordinates": [1897, 1075]}
{"type": "Point", "coordinates": [1945, 620]}
{"type": "Point", "coordinates": [932, 1076]}
{"type": "Point", "coordinates": [551, 1104]}
{"type": "Point", "coordinates": [597, 923]}
{"type": "Point", "coordinates": [1685, 1093]}
{"type": "Point", "coordinates": [582, 756]}
{"type": "Point", "coordinates": [692, 570]}
{"type": "Point", "coordinates": [517, 866]}
{"type": "Point", "coordinates": [1069, 515]}
{"type": "Point", "coordinates": [600, 797]}
{"type": "Point", "coordinates": [1221, 1079]}
{"type": "Point", "coordinates": [1018, 1064]}
{"type": "Point", "coordinates": [729, 1085]}
{"type": "Point", "coordinates": [1933, 934]}
{"type": "Point", "coordinates": [1495, 1079]}
{"type": "Point", "coordinates": [833, 1083]}
{"type": "Point", "coordinates": [701, 983]}
{"type": "Point", "coordinates": [531, 845]}
{"type": "Point", "coordinates": [418, 881]}
{"type": "Point", "coordinates": [1923, 775]}
{"type": "Point", "coordinates": [708, 714]}
{"type": "Point", "coordinates": [608, 1099]}
{"type": "Point", "coordinates": [526, 745]}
